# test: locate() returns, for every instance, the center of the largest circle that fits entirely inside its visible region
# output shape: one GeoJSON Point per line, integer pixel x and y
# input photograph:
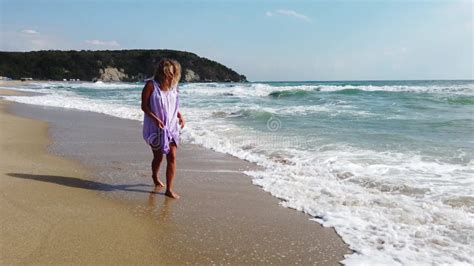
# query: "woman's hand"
{"type": "Point", "coordinates": [181, 121]}
{"type": "Point", "coordinates": [159, 123]}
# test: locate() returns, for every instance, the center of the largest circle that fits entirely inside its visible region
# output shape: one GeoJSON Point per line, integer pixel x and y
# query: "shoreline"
{"type": "Point", "coordinates": [220, 208]}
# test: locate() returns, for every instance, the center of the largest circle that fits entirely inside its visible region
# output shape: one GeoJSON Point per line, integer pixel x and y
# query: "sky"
{"type": "Point", "coordinates": [264, 40]}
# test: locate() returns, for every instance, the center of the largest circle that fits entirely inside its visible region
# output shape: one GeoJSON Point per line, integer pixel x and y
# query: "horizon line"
{"type": "Point", "coordinates": [358, 80]}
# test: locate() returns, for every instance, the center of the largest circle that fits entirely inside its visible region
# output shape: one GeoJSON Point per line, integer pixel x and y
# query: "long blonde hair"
{"type": "Point", "coordinates": [168, 73]}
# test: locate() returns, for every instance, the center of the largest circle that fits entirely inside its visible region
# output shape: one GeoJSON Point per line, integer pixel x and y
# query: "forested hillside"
{"type": "Point", "coordinates": [120, 65]}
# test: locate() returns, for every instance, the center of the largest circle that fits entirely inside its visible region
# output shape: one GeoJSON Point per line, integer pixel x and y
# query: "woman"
{"type": "Point", "coordinates": [160, 103]}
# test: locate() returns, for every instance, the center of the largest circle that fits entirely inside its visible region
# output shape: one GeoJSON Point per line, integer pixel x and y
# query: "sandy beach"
{"type": "Point", "coordinates": [72, 193]}
{"type": "Point", "coordinates": [43, 222]}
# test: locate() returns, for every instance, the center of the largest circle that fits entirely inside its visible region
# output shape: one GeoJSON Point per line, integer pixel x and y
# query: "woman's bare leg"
{"type": "Point", "coordinates": [170, 172]}
{"type": "Point", "coordinates": [155, 167]}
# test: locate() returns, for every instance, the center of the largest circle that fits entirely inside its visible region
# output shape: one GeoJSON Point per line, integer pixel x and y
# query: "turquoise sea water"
{"type": "Point", "coordinates": [389, 164]}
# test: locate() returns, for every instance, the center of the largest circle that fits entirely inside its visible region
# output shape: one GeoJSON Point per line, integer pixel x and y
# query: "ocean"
{"type": "Point", "coordinates": [388, 164]}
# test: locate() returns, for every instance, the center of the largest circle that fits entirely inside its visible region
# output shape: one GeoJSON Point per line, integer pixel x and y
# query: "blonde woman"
{"type": "Point", "coordinates": [160, 103]}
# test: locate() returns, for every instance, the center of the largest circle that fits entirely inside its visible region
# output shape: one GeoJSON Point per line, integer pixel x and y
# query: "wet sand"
{"type": "Point", "coordinates": [221, 217]}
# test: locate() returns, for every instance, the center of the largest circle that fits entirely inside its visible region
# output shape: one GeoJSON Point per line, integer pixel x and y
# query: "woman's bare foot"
{"type": "Point", "coordinates": [157, 182]}
{"type": "Point", "coordinates": [171, 194]}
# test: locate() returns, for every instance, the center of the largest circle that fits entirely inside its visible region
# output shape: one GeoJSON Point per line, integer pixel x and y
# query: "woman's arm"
{"type": "Point", "coordinates": [181, 119]}
{"type": "Point", "coordinates": [146, 93]}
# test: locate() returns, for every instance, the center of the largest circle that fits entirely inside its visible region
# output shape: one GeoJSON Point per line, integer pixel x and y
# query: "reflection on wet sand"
{"type": "Point", "coordinates": [162, 211]}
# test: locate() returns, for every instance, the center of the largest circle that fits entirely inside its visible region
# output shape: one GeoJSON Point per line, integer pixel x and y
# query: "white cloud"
{"type": "Point", "coordinates": [29, 31]}
{"type": "Point", "coordinates": [28, 39]}
{"type": "Point", "coordinates": [103, 43]}
{"type": "Point", "coordinates": [469, 24]}
{"type": "Point", "coordinates": [395, 51]}
{"type": "Point", "coordinates": [288, 13]}
{"type": "Point", "coordinates": [17, 39]}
